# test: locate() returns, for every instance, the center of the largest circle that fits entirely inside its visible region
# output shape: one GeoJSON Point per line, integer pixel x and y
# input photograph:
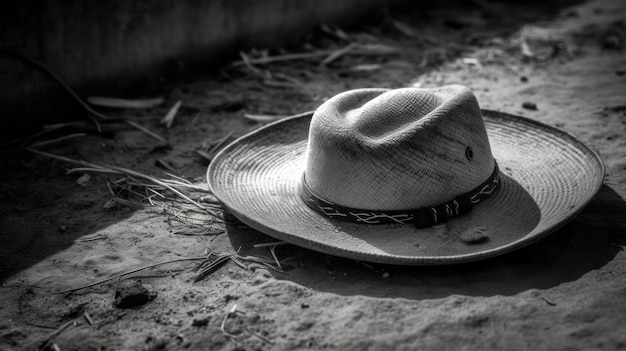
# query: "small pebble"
{"type": "Point", "coordinates": [200, 322]}
{"type": "Point", "coordinates": [83, 180]}
{"type": "Point", "coordinates": [131, 293]}
{"type": "Point", "coordinates": [612, 42]}
{"type": "Point", "coordinates": [386, 275]}
{"type": "Point", "coordinates": [529, 106]}
{"type": "Point", "coordinates": [474, 236]}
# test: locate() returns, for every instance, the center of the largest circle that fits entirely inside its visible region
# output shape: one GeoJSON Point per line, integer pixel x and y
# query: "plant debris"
{"type": "Point", "coordinates": [124, 103]}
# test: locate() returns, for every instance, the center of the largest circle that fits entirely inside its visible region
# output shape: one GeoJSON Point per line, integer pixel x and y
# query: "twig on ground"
{"type": "Point", "coordinates": [84, 240]}
{"type": "Point", "coordinates": [38, 326]}
{"type": "Point", "coordinates": [52, 141]}
{"type": "Point", "coordinates": [147, 131]}
{"type": "Point", "coordinates": [119, 275]}
{"type": "Point", "coordinates": [188, 233]}
{"type": "Point", "coordinates": [88, 318]}
{"type": "Point", "coordinates": [46, 344]}
{"type": "Point", "coordinates": [209, 268]}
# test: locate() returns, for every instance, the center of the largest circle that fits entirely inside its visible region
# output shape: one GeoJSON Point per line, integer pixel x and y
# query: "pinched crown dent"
{"type": "Point", "coordinates": [397, 149]}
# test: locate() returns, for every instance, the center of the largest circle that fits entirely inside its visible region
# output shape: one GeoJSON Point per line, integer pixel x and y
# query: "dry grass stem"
{"type": "Point", "coordinates": [548, 301]}
{"type": "Point", "coordinates": [168, 119]}
{"type": "Point", "coordinates": [338, 53]}
{"type": "Point", "coordinates": [297, 83]}
{"type": "Point", "coordinates": [124, 103]}
{"type": "Point", "coordinates": [273, 252]}
{"type": "Point", "coordinates": [232, 337]}
{"type": "Point", "coordinates": [165, 165]}
{"type": "Point", "coordinates": [88, 318]}
{"type": "Point", "coordinates": [262, 118]}
{"type": "Point", "coordinates": [330, 55]}
{"type": "Point", "coordinates": [246, 60]}
{"type": "Point", "coordinates": [205, 155]}
{"type": "Point", "coordinates": [147, 131]}
{"type": "Point", "coordinates": [209, 150]}
{"type": "Point", "coordinates": [259, 335]}
{"type": "Point", "coordinates": [216, 260]}
{"type": "Point", "coordinates": [220, 142]}
{"type": "Point", "coordinates": [49, 342]}
{"type": "Point", "coordinates": [120, 275]}
{"type": "Point", "coordinates": [283, 58]}
{"type": "Point", "coordinates": [207, 267]}
{"type": "Point", "coordinates": [275, 243]}
{"type": "Point", "coordinates": [200, 231]}
{"type": "Point", "coordinates": [232, 312]}
{"type": "Point", "coordinates": [180, 179]}
{"type": "Point", "coordinates": [266, 118]}
{"type": "Point", "coordinates": [53, 141]}
{"type": "Point", "coordinates": [84, 240]}
{"type": "Point", "coordinates": [174, 186]}
{"type": "Point", "coordinates": [336, 32]}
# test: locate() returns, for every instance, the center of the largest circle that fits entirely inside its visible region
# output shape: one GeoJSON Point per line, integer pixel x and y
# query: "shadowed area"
{"type": "Point", "coordinates": [585, 244]}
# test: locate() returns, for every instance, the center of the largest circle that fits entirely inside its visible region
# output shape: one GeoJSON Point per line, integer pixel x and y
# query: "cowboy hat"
{"type": "Point", "coordinates": [406, 176]}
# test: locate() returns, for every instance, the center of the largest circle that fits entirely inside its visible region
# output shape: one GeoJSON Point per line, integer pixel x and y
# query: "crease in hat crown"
{"type": "Point", "coordinates": [397, 149]}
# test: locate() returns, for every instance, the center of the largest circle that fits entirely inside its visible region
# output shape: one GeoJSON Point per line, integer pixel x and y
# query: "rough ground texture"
{"type": "Point", "coordinates": [561, 65]}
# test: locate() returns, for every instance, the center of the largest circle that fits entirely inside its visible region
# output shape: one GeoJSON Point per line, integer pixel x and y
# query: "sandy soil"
{"type": "Point", "coordinates": [58, 231]}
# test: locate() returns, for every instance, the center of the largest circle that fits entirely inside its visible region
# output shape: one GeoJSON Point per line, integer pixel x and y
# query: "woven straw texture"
{"type": "Point", "coordinates": [547, 177]}
{"type": "Point", "coordinates": [398, 149]}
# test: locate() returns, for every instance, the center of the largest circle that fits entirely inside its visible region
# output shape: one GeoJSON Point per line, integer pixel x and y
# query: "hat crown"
{"type": "Point", "coordinates": [397, 149]}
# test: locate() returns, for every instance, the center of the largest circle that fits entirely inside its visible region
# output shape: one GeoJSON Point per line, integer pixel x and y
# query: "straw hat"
{"type": "Point", "coordinates": [406, 176]}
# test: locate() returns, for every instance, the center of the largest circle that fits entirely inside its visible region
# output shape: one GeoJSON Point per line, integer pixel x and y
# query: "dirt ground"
{"type": "Point", "coordinates": [564, 65]}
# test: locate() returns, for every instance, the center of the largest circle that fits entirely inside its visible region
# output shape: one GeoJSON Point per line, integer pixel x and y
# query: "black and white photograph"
{"type": "Point", "coordinates": [313, 175]}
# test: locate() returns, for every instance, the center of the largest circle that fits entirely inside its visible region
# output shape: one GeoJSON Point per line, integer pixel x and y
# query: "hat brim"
{"type": "Point", "coordinates": [547, 177]}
